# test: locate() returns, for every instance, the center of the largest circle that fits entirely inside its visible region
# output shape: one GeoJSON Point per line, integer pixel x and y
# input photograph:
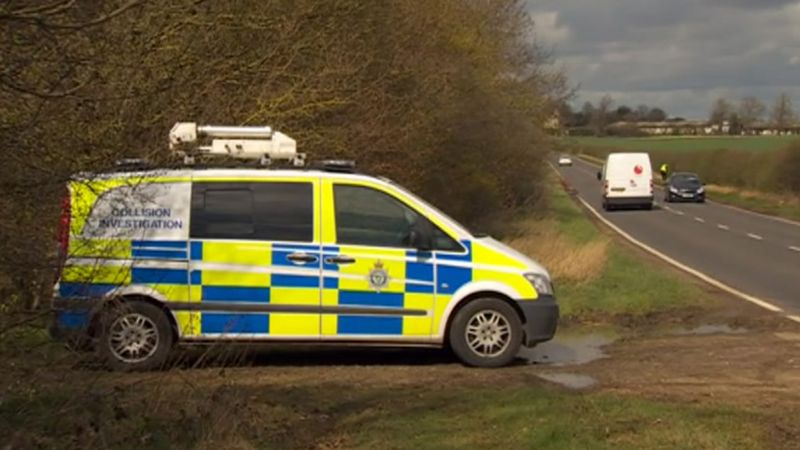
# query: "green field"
{"type": "Point", "coordinates": [680, 143]}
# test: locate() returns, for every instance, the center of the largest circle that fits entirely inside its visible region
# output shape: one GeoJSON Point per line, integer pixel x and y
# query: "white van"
{"type": "Point", "coordinates": [627, 181]}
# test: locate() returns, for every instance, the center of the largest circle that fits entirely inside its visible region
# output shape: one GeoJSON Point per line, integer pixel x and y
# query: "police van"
{"type": "Point", "coordinates": [156, 257]}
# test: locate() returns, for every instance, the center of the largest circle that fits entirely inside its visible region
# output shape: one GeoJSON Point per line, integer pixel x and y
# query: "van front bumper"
{"type": "Point", "coordinates": [540, 318]}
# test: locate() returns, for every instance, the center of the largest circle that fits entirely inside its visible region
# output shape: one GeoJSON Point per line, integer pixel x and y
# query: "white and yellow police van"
{"type": "Point", "coordinates": [158, 257]}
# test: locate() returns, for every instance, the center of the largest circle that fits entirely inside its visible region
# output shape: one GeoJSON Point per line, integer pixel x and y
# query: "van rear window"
{"type": "Point", "coordinates": [268, 211]}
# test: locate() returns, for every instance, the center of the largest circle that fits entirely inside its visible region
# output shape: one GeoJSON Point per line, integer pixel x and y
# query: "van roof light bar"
{"type": "Point", "coordinates": [259, 143]}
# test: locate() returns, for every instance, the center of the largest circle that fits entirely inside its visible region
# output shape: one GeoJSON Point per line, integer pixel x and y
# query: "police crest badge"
{"type": "Point", "coordinates": [378, 276]}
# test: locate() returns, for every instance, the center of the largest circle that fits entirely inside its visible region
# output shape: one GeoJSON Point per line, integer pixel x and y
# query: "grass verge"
{"type": "Point", "coordinates": [537, 418]}
{"type": "Point", "coordinates": [779, 205]}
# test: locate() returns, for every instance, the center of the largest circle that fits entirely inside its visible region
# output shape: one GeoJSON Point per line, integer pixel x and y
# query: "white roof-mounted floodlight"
{"type": "Point", "coordinates": [253, 143]}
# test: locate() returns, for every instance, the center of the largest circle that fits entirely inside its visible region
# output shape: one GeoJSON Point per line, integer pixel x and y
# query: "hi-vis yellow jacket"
{"type": "Point", "coordinates": [285, 255]}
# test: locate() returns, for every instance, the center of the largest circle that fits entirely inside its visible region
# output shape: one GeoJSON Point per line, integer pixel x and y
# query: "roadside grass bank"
{"type": "Point", "coordinates": [597, 278]}
{"type": "Point", "coordinates": [786, 206]}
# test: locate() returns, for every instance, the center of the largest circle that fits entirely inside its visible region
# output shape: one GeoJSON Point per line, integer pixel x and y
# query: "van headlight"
{"type": "Point", "coordinates": [540, 282]}
{"type": "Point", "coordinates": [701, 190]}
{"type": "Point", "coordinates": [673, 190]}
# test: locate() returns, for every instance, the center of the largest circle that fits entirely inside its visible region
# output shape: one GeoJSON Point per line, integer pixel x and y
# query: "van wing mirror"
{"type": "Point", "coordinates": [599, 174]}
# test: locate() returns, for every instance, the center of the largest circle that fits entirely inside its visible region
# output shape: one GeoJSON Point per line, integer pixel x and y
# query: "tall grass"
{"type": "Point", "coordinates": [565, 259]}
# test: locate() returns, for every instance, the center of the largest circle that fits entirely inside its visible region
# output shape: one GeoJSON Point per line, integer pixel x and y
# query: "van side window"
{"type": "Point", "coordinates": [269, 211]}
{"type": "Point", "coordinates": [443, 242]}
{"type": "Point", "coordinates": [365, 216]}
{"type": "Point", "coordinates": [226, 213]}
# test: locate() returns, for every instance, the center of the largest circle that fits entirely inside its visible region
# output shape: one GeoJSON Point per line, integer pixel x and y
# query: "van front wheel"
{"type": "Point", "coordinates": [134, 335]}
{"type": "Point", "coordinates": [486, 332]}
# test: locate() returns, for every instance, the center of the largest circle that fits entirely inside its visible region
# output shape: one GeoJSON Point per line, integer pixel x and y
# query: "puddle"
{"type": "Point", "coordinates": [569, 380]}
{"type": "Point", "coordinates": [709, 329]}
{"type": "Point", "coordinates": [566, 350]}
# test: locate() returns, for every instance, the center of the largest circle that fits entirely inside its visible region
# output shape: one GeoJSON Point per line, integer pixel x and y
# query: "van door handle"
{"type": "Point", "coordinates": [341, 259]}
{"type": "Point", "coordinates": [302, 258]}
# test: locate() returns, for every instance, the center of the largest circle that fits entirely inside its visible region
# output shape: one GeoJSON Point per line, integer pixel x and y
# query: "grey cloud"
{"type": "Point", "coordinates": [752, 4]}
{"type": "Point", "coordinates": [690, 48]}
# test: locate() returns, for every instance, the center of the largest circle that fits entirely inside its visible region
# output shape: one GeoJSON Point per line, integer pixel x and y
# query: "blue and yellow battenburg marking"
{"type": "Point", "coordinates": [410, 292]}
{"type": "Point", "coordinates": [102, 266]}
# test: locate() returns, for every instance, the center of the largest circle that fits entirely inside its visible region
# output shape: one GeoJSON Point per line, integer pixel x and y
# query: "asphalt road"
{"type": "Point", "coordinates": [755, 254]}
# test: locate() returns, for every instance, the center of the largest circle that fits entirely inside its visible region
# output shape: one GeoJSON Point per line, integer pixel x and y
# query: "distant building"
{"type": "Point", "coordinates": [552, 125]}
{"type": "Point", "coordinates": [692, 128]}
{"type": "Point", "coordinates": [665, 128]}
{"type": "Point", "coordinates": [762, 129]}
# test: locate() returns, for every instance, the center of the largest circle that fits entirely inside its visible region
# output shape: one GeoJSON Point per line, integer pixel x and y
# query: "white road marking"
{"type": "Point", "coordinates": [712, 281]}
{"type": "Point", "coordinates": [700, 219]}
{"type": "Point", "coordinates": [680, 213]}
{"type": "Point", "coordinates": [795, 318]}
{"type": "Point", "coordinates": [755, 236]}
{"type": "Point", "coordinates": [723, 227]}
{"type": "Point", "coordinates": [753, 213]}
{"type": "Point", "coordinates": [794, 248]}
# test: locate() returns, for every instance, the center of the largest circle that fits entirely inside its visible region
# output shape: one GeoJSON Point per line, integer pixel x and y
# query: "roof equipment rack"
{"type": "Point", "coordinates": [259, 143]}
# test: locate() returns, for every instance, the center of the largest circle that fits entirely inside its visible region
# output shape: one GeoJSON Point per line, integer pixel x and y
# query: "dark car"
{"type": "Point", "coordinates": [684, 186]}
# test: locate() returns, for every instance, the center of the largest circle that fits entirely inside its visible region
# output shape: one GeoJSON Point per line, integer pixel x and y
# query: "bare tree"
{"type": "Point", "coordinates": [601, 115]}
{"type": "Point", "coordinates": [751, 111]}
{"type": "Point", "coordinates": [721, 111]}
{"type": "Point", "coordinates": [88, 83]}
{"type": "Point", "coordinates": [783, 114]}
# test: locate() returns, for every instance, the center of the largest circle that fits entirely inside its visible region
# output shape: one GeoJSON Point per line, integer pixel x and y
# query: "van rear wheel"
{"type": "Point", "coordinates": [134, 336]}
{"type": "Point", "coordinates": [486, 332]}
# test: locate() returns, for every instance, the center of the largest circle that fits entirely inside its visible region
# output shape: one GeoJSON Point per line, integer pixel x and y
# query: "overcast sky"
{"type": "Point", "coordinates": [677, 54]}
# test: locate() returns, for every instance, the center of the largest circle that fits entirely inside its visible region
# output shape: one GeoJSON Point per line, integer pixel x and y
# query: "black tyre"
{"type": "Point", "coordinates": [486, 332]}
{"type": "Point", "coordinates": [648, 206]}
{"type": "Point", "coordinates": [134, 336]}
